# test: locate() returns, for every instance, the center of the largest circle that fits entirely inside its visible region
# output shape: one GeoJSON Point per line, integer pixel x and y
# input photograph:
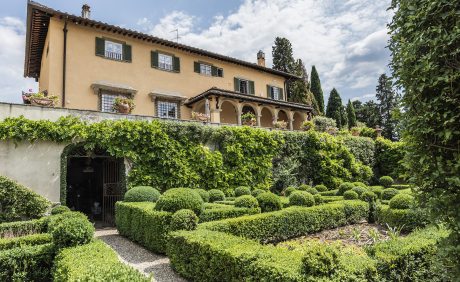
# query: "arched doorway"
{"type": "Point", "coordinates": [266, 120]}
{"type": "Point", "coordinates": [298, 120]}
{"type": "Point", "coordinates": [228, 113]}
{"type": "Point", "coordinates": [94, 181]}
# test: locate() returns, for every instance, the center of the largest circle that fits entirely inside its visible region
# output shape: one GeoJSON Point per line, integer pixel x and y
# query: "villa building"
{"type": "Point", "coordinates": [87, 64]}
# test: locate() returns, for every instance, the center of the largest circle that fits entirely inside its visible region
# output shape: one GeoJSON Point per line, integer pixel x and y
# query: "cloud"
{"type": "Point", "coordinates": [167, 26]}
{"type": "Point", "coordinates": [12, 82]}
{"type": "Point", "coordinates": [364, 97]}
{"type": "Point", "coordinates": [345, 39]}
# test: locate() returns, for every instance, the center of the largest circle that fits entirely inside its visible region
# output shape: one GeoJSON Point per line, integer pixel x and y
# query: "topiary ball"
{"type": "Point", "coordinates": [321, 188]}
{"type": "Point", "coordinates": [257, 192]}
{"type": "Point", "coordinates": [368, 196]}
{"type": "Point", "coordinates": [320, 260]}
{"type": "Point", "coordinates": [312, 191]}
{"type": "Point", "coordinates": [54, 220]}
{"type": "Point", "coordinates": [216, 195]}
{"type": "Point", "coordinates": [360, 184]}
{"type": "Point", "coordinates": [184, 219]}
{"type": "Point", "coordinates": [142, 194]}
{"type": "Point", "coordinates": [72, 231]}
{"type": "Point", "coordinates": [242, 190]}
{"type": "Point", "coordinates": [359, 190]}
{"type": "Point", "coordinates": [59, 210]}
{"type": "Point", "coordinates": [318, 199]}
{"type": "Point", "coordinates": [246, 201]}
{"type": "Point", "coordinates": [350, 195]}
{"type": "Point", "coordinates": [303, 187]}
{"type": "Point", "coordinates": [180, 198]}
{"type": "Point", "coordinates": [378, 190]}
{"type": "Point", "coordinates": [289, 190]}
{"type": "Point", "coordinates": [269, 202]}
{"type": "Point", "coordinates": [203, 194]}
{"type": "Point", "coordinates": [345, 187]}
{"type": "Point", "coordinates": [386, 181]}
{"type": "Point", "coordinates": [402, 201]}
{"type": "Point", "coordinates": [301, 198]}
{"type": "Point", "coordinates": [389, 193]}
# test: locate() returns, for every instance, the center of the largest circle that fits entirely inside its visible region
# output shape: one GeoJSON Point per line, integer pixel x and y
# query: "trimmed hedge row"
{"type": "Point", "coordinates": [226, 212]}
{"type": "Point", "coordinates": [21, 228]}
{"type": "Point", "coordinates": [404, 219]}
{"type": "Point", "coordinates": [141, 224]}
{"type": "Point", "coordinates": [291, 222]}
{"type": "Point", "coordinates": [28, 240]}
{"type": "Point", "coordinates": [93, 262]}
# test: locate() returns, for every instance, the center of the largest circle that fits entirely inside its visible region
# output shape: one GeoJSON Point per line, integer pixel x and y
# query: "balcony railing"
{"type": "Point", "coordinates": [114, 55]}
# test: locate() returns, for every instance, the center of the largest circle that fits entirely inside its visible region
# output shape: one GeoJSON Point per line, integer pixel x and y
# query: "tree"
{"type": "Point", "coordinates": [367, 113]}
{"type": "Point", "coordinates": [343, 117]}
{"type": "Point", "coordinates": [334, 107]}
{"type": "Point", "coordinates": [283, 58]}
{"type": "Point", "coordinates": [300, 89]}
{"type": "Point", "coordinates": [424, 43]}
{"type": "Point", "coordinates": [351, 115]}
{"type": "Point", "coordinates": [316, 89]}
{"type": "Point", "coordinates": [388, 102]}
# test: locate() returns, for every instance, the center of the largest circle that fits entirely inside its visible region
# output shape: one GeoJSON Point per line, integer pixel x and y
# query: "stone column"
{"type": "Point", "coordinates": [258, 115]}
{"type": "Point", "coordinates": [239, 112]}
{"type": "Point", "coordinates": [291, 120]}
{"type": "Point", "coordinates": [215, 112]}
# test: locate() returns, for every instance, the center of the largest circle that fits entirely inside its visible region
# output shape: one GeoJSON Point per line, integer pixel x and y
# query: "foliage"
{"type": "Point", "coordinates": [180, 198]}
{"type": "Point", "coordinates": [368, 196]}
{"type": "Point", "coordinates": [72, 231]}
{"type": "Point", "coordinates": [350, 195]}
{"type": "Point", "coordinates": [377, 190]}
{"type": "Point", "coordinates": [386, 181]}
{"type": "Point", "coordinates": [59, 209]}
{"type": "Point", "coordinates": [216, 195]}
{"type": "Point", "coordinates": [388, 157]}
{"type": "Point", "coordinates": [123, 102]}
{"type": "Point", "coordinates": [321, 188]}
{"type": "Point", "coordinates": [368, 113]}
{"type": "Point", "coordinates": [93, 262]}
{"type": "Point", "coordinates": [402, 201]}
{"type": "Point", "coordinates": [142, 194]}
{"type": "Point", "coordinates": [283, 58]}
{"type": "Point", "coordinates": [242, 190]}
{"type": "Point", "coordinates": [288, 191]}
{"type": "Point", "coordinates": [318, 199]}
{"type": "Point", "coordinates": [226, 212]}
{"type": "Point", "coordinates": [246, 201]}
{"type": "Point", "coordinates": [21, 228]}
{"type": "Point", "coordinates": [291, 222]}
{"type": "Point", "coordinates": [334, 107]}
{"type": "Point", "coordinates": [203, 194]}
{"type": "Point", "coordinates": [345, 187]}
{"type": "Point", "coordinates": [284, 173]}
{"type": "Point", "coordinates": [300, 88]}
{"type": "Point", "coordinates": [359, 190]}
{"type": "Point", "coordinates": [403, 219]}
{"type": "Point", "coordinates": [184, 220]}
{"type": "Point", "coordinates": [257, 192]}
{"type": "Point", "coordinates": [269, 202]}
{"type": "Point", "coordinates": [317, 90]}
{"type": "Point", "coordinates": [27, 240]}
{"type": "Point", "coordinates": [388, 102]}
{"type": "Point", "coordinates": [351, 115]}
{"type": "Point", "coordinates": [389, 193]}
{"type": "Point", "coordinates": [304, 187]}
{"type": "Point", "coordinates": [362, 148]}
{"type": "Point", "coordinates": [311, 190]}
{"type": "Point", "coordinates": [322, 124]}
{"type": "Point", "coordinates": [301, 198]}
{"type": "Point", "coordinates": [18, 202]}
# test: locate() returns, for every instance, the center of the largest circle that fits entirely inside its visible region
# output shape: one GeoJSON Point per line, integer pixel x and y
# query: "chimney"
{"type": "Point", "coordinates": [261, 58]}
{"type": "Point", "coordinates": [86, 11]}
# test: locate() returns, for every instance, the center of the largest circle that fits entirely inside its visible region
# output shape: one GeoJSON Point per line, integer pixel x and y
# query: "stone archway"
{"type": "Point", "coordinates": [229, 113]}
{"type": "Point", "coordinates": [298, 120]}
{"type": "Point", "coordinates": [266, 119]}
{"type": "Point", "coordinates": [282, 116]}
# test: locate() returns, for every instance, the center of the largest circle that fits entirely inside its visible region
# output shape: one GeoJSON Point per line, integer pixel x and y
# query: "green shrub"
{"type": "Point", "coordinates": [329, 193]}
{"type": "Point", "coordinates": [402, 201]}
{"type": "Point", "coordinates": [386, 181]}
{"type": "Point", "coordinates": [403, 219]}
{"type": "Point", "coordinates": [59, 209]}
{"type": "Point", "coordinates": [401, 186]}
{"type": "Point", "coordinates": [362, 148]}
{"type": "Point", "coordinates": [289, 190]}
{"type": "Point", "coordinates": [228, 203]}
{"type": "Point", "coordinates": [93, 262]}
{"type": "Point", "coordinates": [388, 156]}
{"type": "Point", "coordinates": [28, 240]}
{"type": "Point", "coordinates": [320, 260]}
{"type": "Point", "coordinates": [389, 193]}
{"type": "Point", "coordinates": [19, 203]}
{"type": "Point", "coordinates": [180, 198]}
{"type": "Point", "coordinates": [359, 184]}
{"type": "Point", "coordinates": [203, 194]}
{"type": "Point", "coordinates": [303, 187]}
{"type": "Point", "coordinates": [345, 187]}
{"type": "Point", "coordinates": [269, 202]}
{"type": "Point", "coordinates": [242, 190]}
{"type": "Point", "coordinates": [368, 196]}
{"type": "Point", "coordinates": [257, 192]}
{"type": "Point", "coordinates": [72, 231]}
{"type": "Point", "coordinates": [318, 199]}
{"type": "Point", "coordinates": [291, 222]}
{"type": "Point", "coordinates": [140, 223]}
{"type": "Point", "coordinates": [359, 190]}
{"type": "Point", "coordinates": [301, 198]}
{"type": "Point", "coordinates": [312, 191]}
{"type": "Point", "coordinates": [377, 190]}
{"type": "Point", "coordinates": [142, 194]}
{"type": "Point", "coordinates": [53, 221]}
{"type": "Point", "coordinates": [321, 188]}
{"type": "Point", "coordinates": [21, 228]}
{"type": "Point", "coordinates": [328, 199]}
{"type": "Point", "coordinates": [184, 220]}
{"type": "Point", "coordinates": [27, 263]}
{"type": "Point", "coordinates": [216, 195]}
{"type": "Point", "coordinates": [226, 212]}
{"type": "Point", "coordinates": [350, 195]}
{"type": "Point", "coordinates": [246, 201]}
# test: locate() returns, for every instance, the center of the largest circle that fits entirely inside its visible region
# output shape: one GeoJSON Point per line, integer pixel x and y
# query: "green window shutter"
{"type": "Point", "coordinates": [127, 54]}
{"type": "Point", "coordinates": [196, 67]}
{"type": "Point", "coordinates": [269, 92]}
{"type": "Point", "coordinates": [251, 87]}
{"type": "Point", "coordinates": [154, 59]}
{"type": "Point", "coordinates": [281, 94]}
{"type": "Point", "coordinates": [176, 64]}
{"type": "Point", "coordinates": [220, 72]}
{"type": "Point", "coordinates": [213, 71]}
{"type": "Point", "coordinates": [100, 47]}
{"type": "Point", "coordinates": [237, 84]}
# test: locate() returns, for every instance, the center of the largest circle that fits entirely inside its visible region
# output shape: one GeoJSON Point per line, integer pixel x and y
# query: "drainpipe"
{"type": "Point", "coordinates": [64, 63]}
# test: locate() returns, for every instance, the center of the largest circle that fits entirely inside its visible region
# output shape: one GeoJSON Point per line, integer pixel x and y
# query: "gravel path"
{"type": "Point", "coordinates": [138, 257]}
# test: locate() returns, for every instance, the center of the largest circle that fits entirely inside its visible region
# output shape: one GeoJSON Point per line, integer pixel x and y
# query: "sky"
{"type": "Point", "coordinates": [345, 39]}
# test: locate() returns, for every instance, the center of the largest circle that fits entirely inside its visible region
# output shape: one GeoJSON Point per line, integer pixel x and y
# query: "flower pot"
{"type": "Point", "coordinates": [44, 102]}
{"type": "Point", "coordinates": [249, 122]}
{"type": "Point", "coordinates": [123, 108]}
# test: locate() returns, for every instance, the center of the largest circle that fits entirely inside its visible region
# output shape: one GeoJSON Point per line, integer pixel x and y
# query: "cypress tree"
{"type": "Point", "coordinates": [283, 58]}
{"type": "Point", "coordinates": [335, 108]}
{"type": "Point", "coordinates": [315, 87]}
{"type": "Point", "coordinates": [351, 115]}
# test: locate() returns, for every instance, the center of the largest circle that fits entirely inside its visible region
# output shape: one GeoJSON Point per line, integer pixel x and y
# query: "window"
{"type": "Point", "coordinates": [244, 86]}
{"type": "Point", "coordinates": [274, 92]}
{"type": "Point", "coordinates": [205, 69]}
{"type": "Point", "coordinates": [113, 50]}
{"type": "Point", "coordinates": [208, 69]}
{"type": "Point", "coordinates": [107, 101]}
{"type": "Point", "coordinates": [165, 62]}
{"type": "Point", "coordinates": [167, 109]}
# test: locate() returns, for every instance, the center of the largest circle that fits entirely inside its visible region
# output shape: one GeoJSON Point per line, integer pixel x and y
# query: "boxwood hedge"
{"type": "Point", "coordinates": [28, 240]}
{"type": "Point", "coordinates": [226, 212]}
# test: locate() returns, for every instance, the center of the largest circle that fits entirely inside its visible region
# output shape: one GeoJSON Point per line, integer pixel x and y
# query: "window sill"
{"type": "Point", "coordinates": [111, 59]}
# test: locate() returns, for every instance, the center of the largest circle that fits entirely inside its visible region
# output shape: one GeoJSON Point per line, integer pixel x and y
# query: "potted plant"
{"type": "Point", "coordinates": [123, 105]}
{"type": "Point", "coordinates": [40, 99]}
{"type": "Point", "coordinates": [249, 119]}
{"type": "Point", "coordinates": [281, 124]}
{"type": "Point", "coordinates": [200, 116]}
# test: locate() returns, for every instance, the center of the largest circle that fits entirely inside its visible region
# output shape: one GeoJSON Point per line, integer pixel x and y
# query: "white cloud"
{"type": "Point", "coordinates": [364, 97]}
{"type": "Point", "coordinates": [12, 82]}
{"type": "Point", "coordinates": [345, 39]}
{"type": "Point", "coordinates": [167, 26]}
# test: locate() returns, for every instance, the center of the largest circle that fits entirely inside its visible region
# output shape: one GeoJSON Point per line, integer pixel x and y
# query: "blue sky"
{"type": "Point", "coordinates": [345, 39]}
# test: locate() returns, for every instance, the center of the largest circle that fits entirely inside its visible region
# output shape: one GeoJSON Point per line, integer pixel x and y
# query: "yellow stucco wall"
{"type": "Point", "coordinates": [84, 68]}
